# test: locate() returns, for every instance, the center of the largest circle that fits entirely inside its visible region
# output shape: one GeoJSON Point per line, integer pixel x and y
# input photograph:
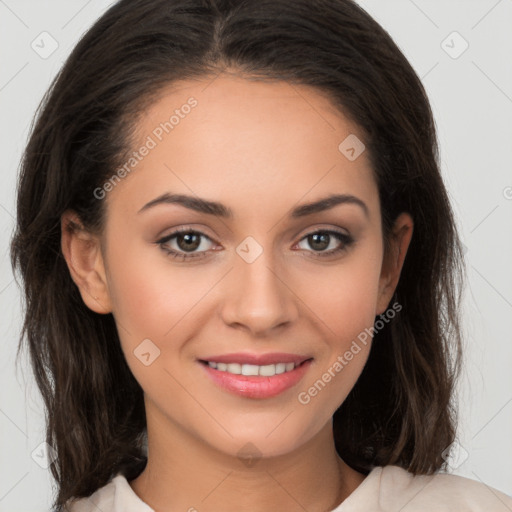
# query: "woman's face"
{"type": "Point", "coordinates": [252, 283]}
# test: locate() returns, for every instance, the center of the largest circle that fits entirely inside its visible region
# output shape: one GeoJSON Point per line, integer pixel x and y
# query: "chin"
{"type": "Point", "coordinates": [261, 443]}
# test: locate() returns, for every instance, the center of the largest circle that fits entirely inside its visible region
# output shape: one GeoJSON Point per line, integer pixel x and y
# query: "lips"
{"type": "Point", "coordinates": [255, 380]}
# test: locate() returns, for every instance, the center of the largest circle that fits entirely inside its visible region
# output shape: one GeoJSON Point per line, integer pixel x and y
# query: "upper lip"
{"type": "Point", "coordinates": [257, 359]}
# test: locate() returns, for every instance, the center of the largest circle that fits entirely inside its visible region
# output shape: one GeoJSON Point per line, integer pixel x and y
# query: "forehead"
{"type": "Point", "coordinates": [242, 141]}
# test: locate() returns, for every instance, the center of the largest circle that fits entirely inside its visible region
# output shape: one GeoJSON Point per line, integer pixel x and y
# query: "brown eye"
{"type": "Point", "coordinates": [188, 241]}
{"type": "Point", "coordinates": [185, 243]}
{"type": "Point", "coordinates": [320, 240]}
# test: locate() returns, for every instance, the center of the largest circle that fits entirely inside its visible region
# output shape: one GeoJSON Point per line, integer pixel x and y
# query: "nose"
{"type": "Point", "coordinates": [257, 297]}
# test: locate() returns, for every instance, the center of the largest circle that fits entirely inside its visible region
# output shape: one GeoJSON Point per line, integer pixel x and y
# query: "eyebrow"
{"type": "Point", "coordinates": [219, 210]}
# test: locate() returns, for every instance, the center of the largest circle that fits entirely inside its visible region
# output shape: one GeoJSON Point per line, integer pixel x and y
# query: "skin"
{"type": "Point", "coordinates": [260, 148]}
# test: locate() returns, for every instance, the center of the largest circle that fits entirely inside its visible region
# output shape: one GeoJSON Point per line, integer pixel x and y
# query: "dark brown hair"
{"type": "Point", "coordinates": [400, 411]}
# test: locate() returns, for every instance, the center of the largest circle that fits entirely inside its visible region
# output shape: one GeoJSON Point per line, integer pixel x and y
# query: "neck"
{"type": "Point", "coordinates": [183, 473]}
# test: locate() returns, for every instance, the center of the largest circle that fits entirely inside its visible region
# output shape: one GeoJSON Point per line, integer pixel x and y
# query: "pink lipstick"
{"type": "Point", "coordinates": [256, 375]}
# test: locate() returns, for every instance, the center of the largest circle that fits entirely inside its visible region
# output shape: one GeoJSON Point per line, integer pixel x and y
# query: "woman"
{"type": "Point", "coordinates": [241, 266]}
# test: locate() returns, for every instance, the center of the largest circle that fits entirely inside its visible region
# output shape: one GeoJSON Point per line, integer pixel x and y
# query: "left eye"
{"type": "Point", "coordinates": [187, 242]}
{"type": "Point", "coordinates": [321, 240]}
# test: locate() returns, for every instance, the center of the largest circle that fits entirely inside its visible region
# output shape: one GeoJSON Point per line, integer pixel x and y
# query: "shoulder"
{"type": "Point", "coordinates": [116, 496]}
{"type": "Point", "coordinates": [440, 492]}
{"type": "Point", "coordinates": [102, 499]}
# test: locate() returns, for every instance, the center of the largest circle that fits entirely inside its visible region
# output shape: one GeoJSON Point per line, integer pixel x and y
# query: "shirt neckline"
{"type": "Point", "coordinates": [360, 490]}
{"type": "Point", "coordinates": [131, 502]}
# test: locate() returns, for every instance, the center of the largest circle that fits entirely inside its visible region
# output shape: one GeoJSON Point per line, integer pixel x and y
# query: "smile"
{"type": "Point", "coordinates": [256, 376]}
{"type": "Point", "coordinates": [268, 370]}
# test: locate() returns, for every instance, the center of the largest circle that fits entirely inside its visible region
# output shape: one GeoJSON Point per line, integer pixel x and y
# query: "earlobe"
{"type": "Point", "coordinates": [394, 260]}
{"type": "Point", "coordinates": [82, 252]}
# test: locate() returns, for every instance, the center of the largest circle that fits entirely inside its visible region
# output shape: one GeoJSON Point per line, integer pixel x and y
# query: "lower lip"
{"type": "Point", "coordinates": [252, 386]}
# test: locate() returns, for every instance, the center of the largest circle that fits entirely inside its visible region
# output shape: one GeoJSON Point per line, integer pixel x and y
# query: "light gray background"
{"type": "Point", "coordinates": [472, 100]}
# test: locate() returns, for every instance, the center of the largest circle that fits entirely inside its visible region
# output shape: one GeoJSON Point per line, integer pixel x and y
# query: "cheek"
{"type": "Point", "coordinates": [345, 305]}
{"type": "Point", "coordinates": [344, 297]}
{"type": "Point", "coordinates": [151, 294]}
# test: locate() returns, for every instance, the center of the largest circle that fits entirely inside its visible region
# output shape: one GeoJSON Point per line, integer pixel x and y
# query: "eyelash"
{"type": "Point", "coordinates": [346, 240]}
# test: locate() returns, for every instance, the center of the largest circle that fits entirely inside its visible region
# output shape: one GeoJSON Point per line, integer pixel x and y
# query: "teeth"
{"type": "Point", "coordinates": [268, 370]}
{"type": "Point", "coordinates": [249, 369]}
{"type": "Point", "coordinates": [280, 368]}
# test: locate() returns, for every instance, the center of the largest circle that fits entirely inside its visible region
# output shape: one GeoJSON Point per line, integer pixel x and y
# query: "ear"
{"type": "Point", "coordinates": [82, 252]}
{"type": "Point", "coordinates": [394, 260]}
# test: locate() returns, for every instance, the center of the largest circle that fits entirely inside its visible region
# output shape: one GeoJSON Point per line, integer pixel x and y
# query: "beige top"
{"type": "Point", "coordinates": [385, 489]}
